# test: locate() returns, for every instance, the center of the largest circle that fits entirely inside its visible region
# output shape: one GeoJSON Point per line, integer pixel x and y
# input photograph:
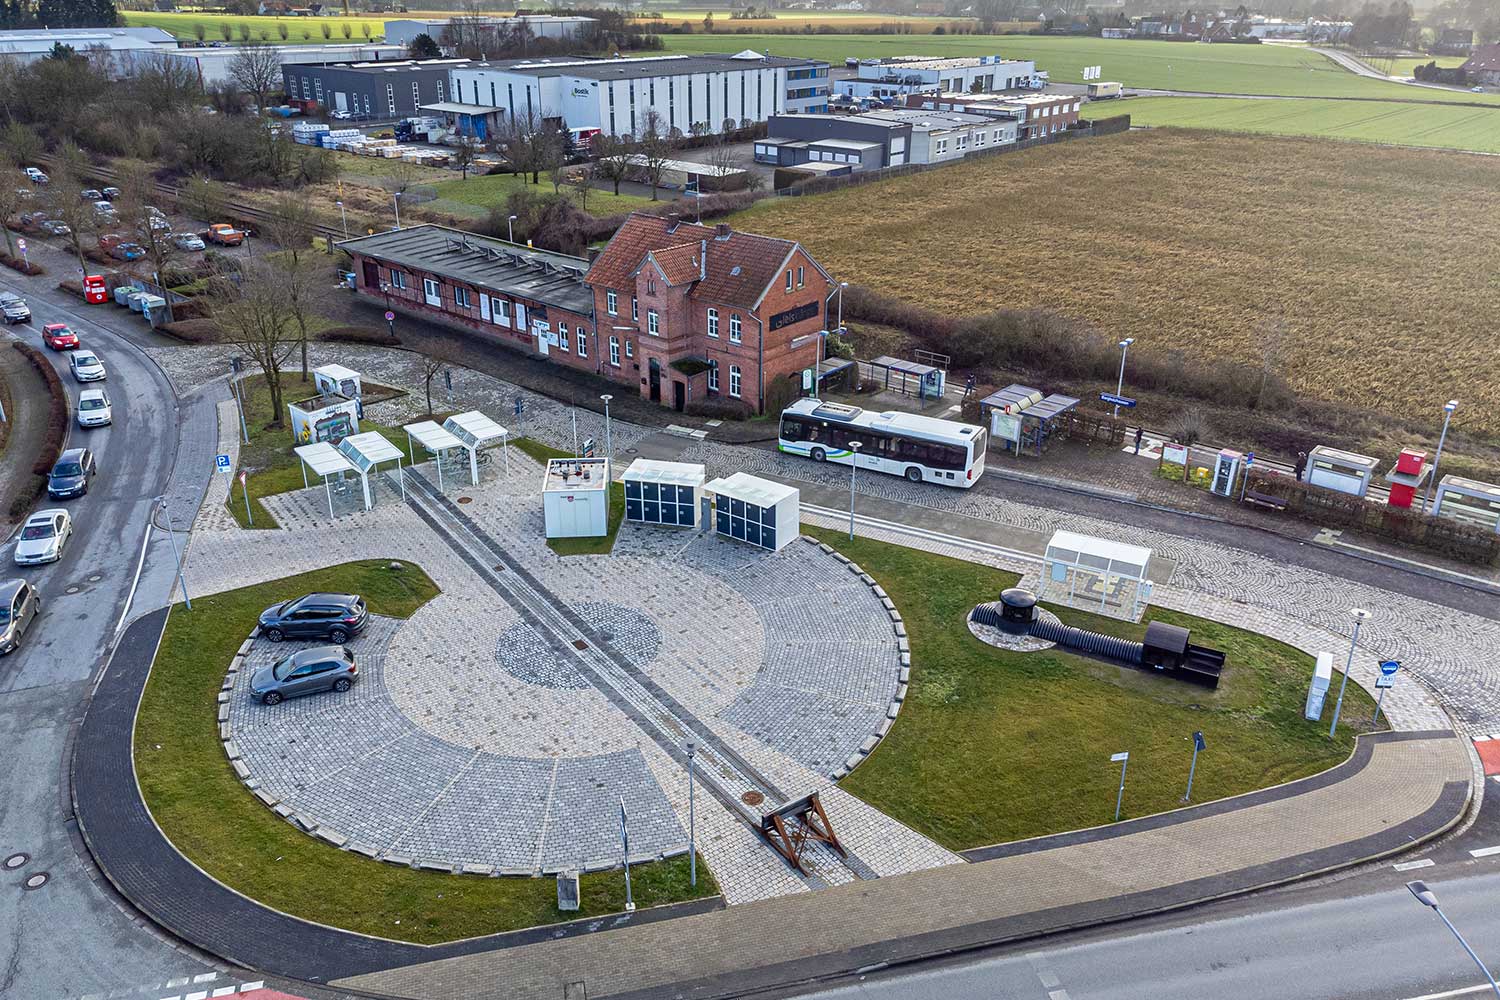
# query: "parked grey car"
{"type": "Point", "coordinates": [14, 308]}
{"type": "Point", "coordinates": [19, 606]}
{"type": "Point", "coordinates": [322, 668]}
{"type": "Point", "coordinates": [333, 617]}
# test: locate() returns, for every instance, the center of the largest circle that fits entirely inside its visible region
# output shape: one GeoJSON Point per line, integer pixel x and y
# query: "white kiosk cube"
{"type": "Point", "coordinates": [575, 497]}
{"type": "Point", "coordinates": [754, 510]}
{"type": "Point", "coordinates": [663, 492]}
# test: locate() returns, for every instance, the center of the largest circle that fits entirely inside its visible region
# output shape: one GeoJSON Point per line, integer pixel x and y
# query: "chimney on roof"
{"type": "Point", "coordinates": [673, 219]}
{"type": "Point", "coordinates": [703, 259]}
{"type": "Point", "coordinates": [721, 231]}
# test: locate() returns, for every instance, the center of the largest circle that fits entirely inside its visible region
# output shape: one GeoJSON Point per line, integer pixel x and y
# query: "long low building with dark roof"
{"type": "Point", "coordinates": [684, 314]}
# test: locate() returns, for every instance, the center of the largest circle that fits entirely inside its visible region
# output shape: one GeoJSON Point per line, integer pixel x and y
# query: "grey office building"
{"type": "Point", "coordinates": [378, 90]}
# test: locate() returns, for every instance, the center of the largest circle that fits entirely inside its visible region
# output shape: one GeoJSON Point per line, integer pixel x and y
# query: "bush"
{"type": "Point", "coordinates": [358, 335]}
{"type": "Point", "coordinates": [20, 264]}
{"type": "Point", "coordinates": [193, 331]}
{"type": "Point", "coordinates": [57, 429]}
{"type": "Point", "coordinates": [71, 287]}
{"type": "Point", "coordinates": [721, 409]}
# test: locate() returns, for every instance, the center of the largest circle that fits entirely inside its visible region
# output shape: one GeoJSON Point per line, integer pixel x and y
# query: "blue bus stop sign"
{"type": "Point", "coordinates": [1389, 667]}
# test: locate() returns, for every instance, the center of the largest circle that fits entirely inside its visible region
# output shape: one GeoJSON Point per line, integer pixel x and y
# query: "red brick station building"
{"type": "Point", "coordinates": [686, 313]}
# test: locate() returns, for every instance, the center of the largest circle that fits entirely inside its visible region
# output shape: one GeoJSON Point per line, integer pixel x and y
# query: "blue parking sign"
{"type": "Point", "coordinates": [221, 462]}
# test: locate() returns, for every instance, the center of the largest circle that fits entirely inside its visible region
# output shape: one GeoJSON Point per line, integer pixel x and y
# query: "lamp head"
{"type": "Point", "coordinates": [1359, 614]}
{"type": "Point", "coordinates": [1424, 895]}
{"type": "Point", "coordinates": [1127, 341]}
{"type": "Point", "coordinates": [1451, 405]}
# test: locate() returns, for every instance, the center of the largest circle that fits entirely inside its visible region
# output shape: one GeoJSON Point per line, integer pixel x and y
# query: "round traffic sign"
{"type": "Point", "coordinates": [1389, 667]}
{"type": "Point", "coordinates": [389, 316]}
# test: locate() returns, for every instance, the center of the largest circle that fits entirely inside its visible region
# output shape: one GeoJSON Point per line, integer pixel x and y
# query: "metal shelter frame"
{"type": "Point", "coordinates": [475, 431]}
{"type": "Point", "coordinates": [1070, 554]}
{"type": "Point", "coordinates": [929, 380]}
{"type": "Point", "coordinates": [325, 460]}
{"type": "Point", "coordinates": [365, 452]}
{"type": "Point", "coordinates": [435, 439]}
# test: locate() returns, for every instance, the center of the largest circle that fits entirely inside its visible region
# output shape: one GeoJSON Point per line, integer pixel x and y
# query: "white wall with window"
{"type": "Point", "coordinates": [734, 381]}
{"type": "Point", "coordinates": [713, 322]}
{"type": "Point", "coordinates": [734, 328]}
{"type": "Point", "coordinates": [614, 351]}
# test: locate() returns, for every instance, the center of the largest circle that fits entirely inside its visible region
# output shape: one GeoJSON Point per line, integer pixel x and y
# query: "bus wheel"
{"type": "Point", "coordinates": [914, 474]}
{"type": "Point", "coordinates": [818, 455]}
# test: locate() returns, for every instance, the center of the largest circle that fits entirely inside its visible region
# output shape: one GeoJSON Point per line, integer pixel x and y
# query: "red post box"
{"type": "Point", "coordinates": [1410, 471]}
{"type": "Point", "coordinates": [93, 288]}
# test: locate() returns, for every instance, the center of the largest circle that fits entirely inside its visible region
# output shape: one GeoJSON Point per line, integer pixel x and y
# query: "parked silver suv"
{"type": "Point", "coordinates": [19, 606]}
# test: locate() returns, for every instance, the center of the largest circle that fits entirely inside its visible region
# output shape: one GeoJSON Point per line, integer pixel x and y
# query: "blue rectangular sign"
{"type": "Point", "coordinates": [221, 462]}
{"type": "Point", "coordinates": [1198, 743]}
{"type": "Point", "coordinates": [1110, 397]}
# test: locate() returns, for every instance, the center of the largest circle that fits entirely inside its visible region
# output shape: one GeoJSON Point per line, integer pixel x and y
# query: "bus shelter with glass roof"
{"type": "Point", "coordinates": [366, 452]}
{"type": "Point", "coordinates": [476, 432]}
{"type": "Point", "coordinates": [326, 461]}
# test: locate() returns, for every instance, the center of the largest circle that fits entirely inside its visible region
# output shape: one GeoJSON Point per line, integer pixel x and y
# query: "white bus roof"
{"type": "Point", "coordinates": [892, 420]}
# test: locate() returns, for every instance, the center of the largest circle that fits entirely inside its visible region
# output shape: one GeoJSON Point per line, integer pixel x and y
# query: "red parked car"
{"type": "Point", "coordinates": [58, 337]}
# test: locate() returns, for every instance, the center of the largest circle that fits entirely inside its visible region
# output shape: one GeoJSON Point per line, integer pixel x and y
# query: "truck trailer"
{"type": "Point", "coordinates": [1102, 91]}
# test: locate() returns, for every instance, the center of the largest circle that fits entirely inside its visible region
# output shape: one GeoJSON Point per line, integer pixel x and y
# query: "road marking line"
{"type": "Point", "coordinates": [259, 984]}
{"type": "Point", "coordinates": [206, 977]}
{"type": "Point", "coordinates": [140, 564]}
{"type": "Point", "coordinates": [1483, 988]}
{"type": "Point", "coordinates": [225, 991]}
{"type": "Point", "coordinates": [1407, 866]}
{"type": "Point", "coordinates": [1484, 852]}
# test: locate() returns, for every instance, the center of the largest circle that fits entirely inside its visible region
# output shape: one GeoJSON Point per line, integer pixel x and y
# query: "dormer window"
{"type": "Point", "coordinates": [650, 286]}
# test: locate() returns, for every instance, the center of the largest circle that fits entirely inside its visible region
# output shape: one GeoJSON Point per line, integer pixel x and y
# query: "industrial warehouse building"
{"type": "Point", "coordinates": [371, 89]}
{"type": "Point", "coordinates": [879, 79]}
{"type": "Point", "coordinates": [1036, 115]}
{"type": "Point", "coordinates": [212, 63]}
{"type": "Point", "coordinates": [682, 313]}
{"type": "Point", "coordinates": [616, 96]}
{"type": "Point", "coordinates": [886, 138]}
{"type": "Point", "coordinates": [123, 44]}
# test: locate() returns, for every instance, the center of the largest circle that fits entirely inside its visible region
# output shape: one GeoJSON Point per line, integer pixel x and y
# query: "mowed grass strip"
{"type": "Point", "coordinates": [1191, 242]}
{"type": "Point", "coordinates": [580, 546]}
{"type": "Point", "coordinates": [1474, 129]}
{"type": "Point", "coordinates": [211, 818]}
{"type": "Point", "coordinates": [993, 746]}
{"type": "Point", "coordinates": [1208, 69]}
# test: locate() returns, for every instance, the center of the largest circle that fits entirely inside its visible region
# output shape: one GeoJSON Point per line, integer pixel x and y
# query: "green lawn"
{"type": "Point", "coordinates": [993, 746]}
{"type": "Point", "coordinates": [1213, 69]}
{"type": "Point", "coordinates": [205, 811]}
{"type": "Point", "coordinates": [580, 546]}
{"type": "Point", "coordinates": [268, 459]}
{"type": "Point", "coordinates": [1363, 121]}
{"type": "Point", "coordinates": [300, 30]}
{"type": "Point", "coordinates": [490, 191]}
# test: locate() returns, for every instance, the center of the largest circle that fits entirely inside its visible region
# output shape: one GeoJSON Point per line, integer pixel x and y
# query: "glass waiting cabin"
{"type": "Point", "coordinates": [1468, 500]}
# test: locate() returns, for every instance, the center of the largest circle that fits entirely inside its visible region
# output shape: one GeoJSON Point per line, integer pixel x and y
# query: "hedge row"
{"type": "Point", "coordinates": [358, 335]}
{"type": "Point", "coordinates": [19, 264]}
{"type": "Point", "coordinates": [57, 429]}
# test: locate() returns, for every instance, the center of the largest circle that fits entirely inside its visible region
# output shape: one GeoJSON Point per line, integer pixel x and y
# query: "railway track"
{"type": "Point", "coordinates": [736, 783]}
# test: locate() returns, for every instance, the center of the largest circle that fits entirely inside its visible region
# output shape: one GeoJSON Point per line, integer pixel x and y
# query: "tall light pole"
{"type": "Point", "coordinates": [1426, 897]}
{"type": "Point", "coordinates": [396, 200]}
{"type": "Point", "coordinates": [1360, 616]}
{"type": "Point", "coordinates": [854, 446]}
{"type": "Point", "coordinates": [609, 448]}
{"type": "Point", "coordinates": [842, 285]}
{"type": "Point", "coordinates": [510, 229]}
{"type": "Point", "coordinates": [344, 215]}
{"type": "Point", "coordinates": [1120, 385]}
{"type": "Point", "coordinates": [1448, 409]}
{"type": "Point", "coordinates": [692, 830]}
{"type": "Point", "coordinates": [161, 501]}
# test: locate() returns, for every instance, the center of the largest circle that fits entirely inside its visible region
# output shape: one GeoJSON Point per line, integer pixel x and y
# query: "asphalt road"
{"type": "Point", "coordinates": [71, 937]}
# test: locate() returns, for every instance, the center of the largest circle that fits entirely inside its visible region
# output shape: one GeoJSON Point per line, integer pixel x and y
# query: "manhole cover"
{"type": "Point", "coordinates": [37, 881]}
{"type": "Point", "coordinates": [580, 644]}
{"type": "Point", "coordinates": [632, 451]}
{"type": "Point", "coordinates": [95, 578]}
{"type": "Point", "coordinates": [465, 499]}
{"type": "Point", "coordinates": [71, 590]}
{"type": "Point", "coordinates": [752, 798]}
{"type": "Point", "coordinates": [16, 860]}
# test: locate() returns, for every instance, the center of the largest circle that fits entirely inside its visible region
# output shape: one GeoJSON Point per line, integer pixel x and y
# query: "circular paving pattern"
{"type": "Point", "coordinates": [476, 741]}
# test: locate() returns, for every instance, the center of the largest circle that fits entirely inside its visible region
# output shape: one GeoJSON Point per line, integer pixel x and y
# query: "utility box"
{"type": "Point", "coordinates": [1318, 689]}
{"type": "Point", "coordinates": [568, 896]}
{"type": "Point", "coordinates": [663, 492]}
{"type": "Point", "coordinates": [754, 510]}
{"type": "Point", "coordinates": [338, 379]}
{"type": "Point", "coordinates": [325, 417]}
{"type": "Point", "coordinates": [575, 497]}
{"type": "Point", "coordinates": [1408, 475]}
{"type": "Point", "coordinates": [1227, 472]}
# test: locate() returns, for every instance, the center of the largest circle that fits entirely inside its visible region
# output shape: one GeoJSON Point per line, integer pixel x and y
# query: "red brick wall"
{"type": "Point", "coordinates": [781, 359]}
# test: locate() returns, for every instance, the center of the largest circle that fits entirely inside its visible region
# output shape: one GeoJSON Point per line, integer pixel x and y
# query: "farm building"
{"type": "Point", "coordinates": [124, 44]}
{"type": "Point", "coordinates": [1484, 65]}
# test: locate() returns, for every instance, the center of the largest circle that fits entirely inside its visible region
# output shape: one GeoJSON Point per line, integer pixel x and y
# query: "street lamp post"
{"type": "Point", "coordinates": [842, 285]}
{"type": "Point", "coordinates": [343, 214]}
{"type": "Point", "coordinates": [396, 200]}
{"type": "Point", "coordinates": [161, 501]}
{"type": "Point", "coordinates": [1427, 898]}
{"type": "Point", "coordinates": [1360, 616]}
{"type": "Point", "coordinates": [692, 830]}
{"type": "Point", "coordinates": [854, 447]}
{"type": "Point", "coordinates": [1120, 385]}
{"type": "Point", "coordinates": [1448, 409]}
{"type": "Point", "coordinates": [609, 448]}
{"type": "Point", "coordinates": [510, 229]}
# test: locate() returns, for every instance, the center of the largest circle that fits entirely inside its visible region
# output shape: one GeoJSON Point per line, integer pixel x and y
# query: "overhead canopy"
{"type": "Point", "coordinates": [323, 459]}
{"type": "Point", "coordinates": [1012, 398]}
{"type": "Point", "coordinates": [1052, 406]}
{"type": "Point", "coordinates": [904, 367]}
{"type": "Point", "coordinates": [1099, 554]}
{"type": "Point", "coordinates": [750, 489]}
{"type": "Point", "coordinates": [474, 429]}
{"type": "Point", "coordinates": [368, 450]}
{"type": "Point", "coordinates": [432, 437]}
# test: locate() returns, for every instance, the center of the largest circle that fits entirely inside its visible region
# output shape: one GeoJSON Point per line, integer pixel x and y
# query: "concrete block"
{"type": "Point", "coordinates": [240, 770]}
{"type": "Point", "coordinates": [283, 810]}
{"type": "Point", "coordinates": [223, 712]}
{"type": "Point", "coordinates": [868, 744]}
{"type": "Point", "coordinates": [905, 656]}
{"type": "Point", "coordinates": [479, 870]}
{"type": "Point", "coordinates": [904, 646]}
{"type": "Point", "coordinates": [839, 773]}
{"type": "Point", "coordinates": [523, 872]}
{"type": "Point", "coordinates": [905, 675]}
{"type": "Point", "coordinates": [364, 849]}
{"type": "Point", "coordinates": [879, 590]}
{"type": "Point", "coordinates": [397, 859]}
{"type": "Point", "coordinates": [852, 762]}
{"type": "Point", "coordinates": [893, 711]}
{"type": "Point", "coordinates": [231, 750]}
{"type": "Point", "coordinates": [245, 646]}
{"type": "Point", "coordinates": [266, 797]}
{"type": "Point", "coordinates": [885, 727]}
{"type": "Point", "coordinates": [224, 733]}
{"type": "Point", "coordinates": [228, 684]}
{"type": "Point", "coordinates": [841, 557]}
{"type": "Point", "coordinates": [305, 821]}
{"type": "Point", "coordinates": [825, 546]}
{"type": "Point", "coordinates": [435, 866]}
{"type": "Point", "coordinates": [252, 783]}
{"type": "Point", "coordinates": [223, 697]}
{"type": "Point", "coordinates": [856, 569]}
{"type": "Point", "coordinates": [868, 579]}
{"type": "Point", "coordinates": [332, 836]}
{"type": "Point", "coordinates": [888, 604]}
{"type": "Point", "coordinates": [901, 693]}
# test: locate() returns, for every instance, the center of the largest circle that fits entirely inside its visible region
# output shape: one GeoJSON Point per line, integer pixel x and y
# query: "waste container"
{"type": "Point", "coordinates": [1318, 689]}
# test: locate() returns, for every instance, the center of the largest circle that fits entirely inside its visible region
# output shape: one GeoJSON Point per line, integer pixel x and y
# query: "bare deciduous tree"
{"type": "Point", "coordinates": [463, 155]}
{"type": "Point", "coordinates": [581, 182]}
{"type": "Point", "coordinates": [291, 224]}
{"type": "Point", "coordinates": [13, 190]}
{"type": "Point", "coordinates": [255, 316]}
{"type": "Point", "coordinates": [255, 69]}
{"type": "Point", "coordinates": [430, 368]}
{"type": "Point", "coordinates": [612, 159]}
{"type": "Point", "coordinates": [66, 205]}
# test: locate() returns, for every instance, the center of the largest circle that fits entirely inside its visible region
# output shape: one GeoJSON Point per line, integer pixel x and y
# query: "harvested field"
{"type": "Point", "coordinates": [1379, 261]}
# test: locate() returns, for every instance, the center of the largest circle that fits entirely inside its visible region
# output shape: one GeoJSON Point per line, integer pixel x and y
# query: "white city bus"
{"type": "Point", "coordinates": [923, 449]}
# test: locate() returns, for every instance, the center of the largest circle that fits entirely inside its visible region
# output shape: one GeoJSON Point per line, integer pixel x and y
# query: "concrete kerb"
{"type": "Point", "coordinates": [898, 626]}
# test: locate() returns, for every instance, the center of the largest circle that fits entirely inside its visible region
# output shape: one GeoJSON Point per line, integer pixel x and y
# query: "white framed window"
{"type": "Point", "coordinates": [635, 310]}
{"type": "Point", "coordinates": [942, 146]}
{"type": "Point", "coordinates": [398, 279]}
{"type": "Point", "coordinates": [630, 348]}
{"type": "Point", "coordinates": [800, 271]}
{"type": "Point", "coordinates": [734, 381]}
{"type": "Point", "coordinates": [562, 337]}
{"type": "Point", "coordinates": [416, 94]}
{"type": "Point", "coordinates": [614, 351]}
{"type": "Point", "coordinates": [650, 286]}
{"type": "Point", "coordinates": [432, 291]}
{"type": "Point", "coordinates": [583, 343]}
{"type": "Point", "coordinates": [734, 328]}
{"type": "Point", "coordinates": [390, 97]}
{"type": "Point", "coordinates": [653, 324]}
{"type": "Point", "coordinates": [611, 301]}
{"type": "Point", "coordinates": [461, 297]}
{"type": "Point", "coordinates": [789, 279]}
{"type": "Point", "coordinates": [978, 139]}
{"type": "Point", "coordinates": [440, 89]}
{"type": "Point", "coordinates": [318, 82]}
{"type": "Point", "coordinates": [713, 376]}
{"type": "Point", "coordinates": [501, 310]}
{"type": "Point", "coordinates": [713, 323]}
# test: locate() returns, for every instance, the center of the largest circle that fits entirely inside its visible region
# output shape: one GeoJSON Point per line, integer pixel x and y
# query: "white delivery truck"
{"type": "Point", "coordinates": [1102, 91]}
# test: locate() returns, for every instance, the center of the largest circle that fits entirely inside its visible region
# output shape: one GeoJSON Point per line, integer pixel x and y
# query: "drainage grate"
{"type": "Point", "coordinates": [465, 499]}
{"type": "Point", "coordinates": [36, 881]}
{"type": "Point", "coordinates": [752, 798]}
{"type": "Point", "coordinates": [580, 644]}
{"type": "Point", "coordinates": [15, 861]}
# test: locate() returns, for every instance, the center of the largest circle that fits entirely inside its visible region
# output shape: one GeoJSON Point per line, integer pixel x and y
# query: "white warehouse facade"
{"type": "Point", "coordinates": [617, 96]}
{"type": "Point", "coordinates": [878, 79]}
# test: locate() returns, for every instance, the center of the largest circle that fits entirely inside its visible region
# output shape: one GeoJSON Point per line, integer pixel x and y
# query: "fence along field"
{"type": "Point", "coordinates": [1193, 242]}
{"type": "Point", "coordinates": [1440, 127]}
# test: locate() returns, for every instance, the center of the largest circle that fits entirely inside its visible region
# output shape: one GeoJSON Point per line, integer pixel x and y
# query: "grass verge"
{"type": "Point", "coordinates": [600, 546]}
{"type": "Point", "coordinates": [205, 811]}
{"type": "Point", "coordinates": [490, 191]}
{"type": "Point", "coordinates": [994, 746]}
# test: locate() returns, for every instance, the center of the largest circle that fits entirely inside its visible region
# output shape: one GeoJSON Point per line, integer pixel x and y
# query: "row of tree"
{"type": "Point", "coordinates": [58, 14]}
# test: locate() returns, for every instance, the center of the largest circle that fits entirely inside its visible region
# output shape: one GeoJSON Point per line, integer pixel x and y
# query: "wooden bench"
{"type": "Point", "coordinates": [1265, 500]}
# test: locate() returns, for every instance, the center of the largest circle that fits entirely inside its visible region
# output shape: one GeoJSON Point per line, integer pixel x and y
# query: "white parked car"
{"type": "Point", "coordinates": [36, 176]}
{"type": "Point", "coordinates": [86, 366]}
{"type": "Point", "coordinates": [93, 409]}
{"type": "Point", "coordinates": [188, 241]}
{"type": "Point", "coordinates": [43, 537]}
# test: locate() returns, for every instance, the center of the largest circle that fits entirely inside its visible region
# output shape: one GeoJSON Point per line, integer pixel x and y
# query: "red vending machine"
{"type": "Point", "coordinates": [93, 288]}
{"type": "Point", "coordinates": [1407, 477]}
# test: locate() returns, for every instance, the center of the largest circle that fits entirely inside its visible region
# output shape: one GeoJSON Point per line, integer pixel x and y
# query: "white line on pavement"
{"type": "Point", "coordinates": [1484, 852]}
{"type": "Point", "coordinates": [1482, 988]}
{"type": "Point", "coordinates": [1407, 866]}
{"type": "Point", "coordinates": [139, 565]}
